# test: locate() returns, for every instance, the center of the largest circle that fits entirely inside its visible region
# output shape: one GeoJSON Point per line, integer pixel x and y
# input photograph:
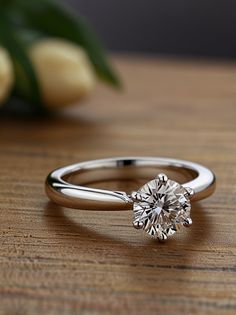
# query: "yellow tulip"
{"type": "Point", "coordinates": [6, 75]}
{"type": "Point", "coordinates": [64, 71]}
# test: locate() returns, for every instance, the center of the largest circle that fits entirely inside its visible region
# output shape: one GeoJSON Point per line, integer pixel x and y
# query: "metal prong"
{"type": "Point", "coordinates": [162, 237]}
{"type": "Point", "coordinates": [188, 222]}
{"type": "Point", "coordinates": [189, 191]}
{"type": "Point", "coordinates": [162, 177]}
{"type": "Point", "coordinates": [135, 196]}
{"type": "Point", "coordinates": [138, 225]}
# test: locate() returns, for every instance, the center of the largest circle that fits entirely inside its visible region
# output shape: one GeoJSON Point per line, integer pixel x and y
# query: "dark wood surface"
{"type": "Point", "coordinates": [60, 261]}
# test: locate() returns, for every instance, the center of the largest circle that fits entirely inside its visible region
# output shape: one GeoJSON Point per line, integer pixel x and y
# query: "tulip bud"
{"type": "Point", "coordinates": [6, 74]}
{"type": "Point", "coordinates": [64, 71]}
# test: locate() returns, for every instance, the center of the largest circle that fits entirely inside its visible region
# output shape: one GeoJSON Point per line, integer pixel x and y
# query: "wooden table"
{"type": "Point", "coordinates": [58, 261]}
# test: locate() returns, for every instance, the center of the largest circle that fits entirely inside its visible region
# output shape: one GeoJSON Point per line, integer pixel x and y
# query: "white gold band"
{"type": "Point", "coordinates": [202, 181]}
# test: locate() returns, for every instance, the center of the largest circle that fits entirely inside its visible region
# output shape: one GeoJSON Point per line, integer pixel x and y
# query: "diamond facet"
{"type": "Point", "coordinates": [162, 207]}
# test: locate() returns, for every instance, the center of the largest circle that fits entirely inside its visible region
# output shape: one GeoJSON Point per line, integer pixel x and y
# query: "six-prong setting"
{"type": "Point", "coordinates": [161, 207]}
{"type": "Point", "coordinates": [189, 191]}
{"type": "Point", "coordinates": [136, 196]}
{"type": "Point", "coordinates": [138, 225]}
{"type": "Point", "coordinates": [187, 222]}
{"type": "Point", "coordinates": [162, 177]}
{"type": "Point", "coordinates": [162, 237]}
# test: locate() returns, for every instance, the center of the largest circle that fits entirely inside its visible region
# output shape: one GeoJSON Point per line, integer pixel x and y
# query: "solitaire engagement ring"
{"type": "Point", "coordinates": [160, 207]}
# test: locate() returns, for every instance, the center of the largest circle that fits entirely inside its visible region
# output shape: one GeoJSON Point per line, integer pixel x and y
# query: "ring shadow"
{"type": "Point", "coordinates": [177, 246]}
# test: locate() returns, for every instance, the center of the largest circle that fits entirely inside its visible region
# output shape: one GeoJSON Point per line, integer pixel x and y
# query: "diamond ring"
{"type": "Point", "coordinates": [160, 207]}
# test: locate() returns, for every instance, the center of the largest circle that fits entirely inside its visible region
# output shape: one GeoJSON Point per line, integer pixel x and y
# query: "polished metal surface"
{"type": "Point", "coordinates": [59, 190]}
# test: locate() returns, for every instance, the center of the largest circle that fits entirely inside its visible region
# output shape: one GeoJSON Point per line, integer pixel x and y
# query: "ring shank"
{"type": "Point", "coordinates": [70, 195]}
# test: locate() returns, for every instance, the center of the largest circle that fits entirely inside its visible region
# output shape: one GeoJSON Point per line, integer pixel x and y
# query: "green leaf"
{"type": "Point", "coordinates": [52, 18]}
{"type": "Point", "coordinates": [26, 81]}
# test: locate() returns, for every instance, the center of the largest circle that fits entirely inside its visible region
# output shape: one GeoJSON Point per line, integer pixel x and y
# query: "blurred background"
{"type": "Point", "coordinates": [51, 45]}
{"type": "Point", "coordinates": [183, 27]}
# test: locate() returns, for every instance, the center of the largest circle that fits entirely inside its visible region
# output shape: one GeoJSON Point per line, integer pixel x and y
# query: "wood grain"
{"type": "Point", "coordinates": [59, 261]}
